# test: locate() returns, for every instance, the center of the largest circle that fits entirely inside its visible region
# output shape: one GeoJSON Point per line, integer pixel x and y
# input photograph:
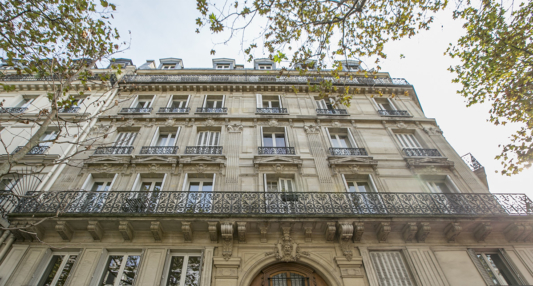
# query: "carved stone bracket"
{"type": "Point", "coordinates": [64, 230]}
{"type": "Point", "coordinates": [235, 128]}
{"type": "Point", "coordinates": [308, 231]}
{"type": "Point", "coordinates": [409, 231]}
{"type": "Point", "coordinates": [517, 232]}
{"type": "Point", "coordinates": [126, 230]}
{"type": "Point", "coordinates": [345, 235]}
{"type": "Point", "coordinates": [312, 128]}
{"type": "Point", "coordinates": [157, 230]}
{"type": "Point", "coordinates": [423, 231]}
{"type": "Point", "coordinates": [241, 231]}
{"type": "Point", "coordinates": [359, 229]}
{"type": "Point", "coordinates": [452, 230]}
{"type": "Point", "coordinates": [37, 231]}
{"type": "Point", "coordinates": [187, 231]}
{"type": "Point", "coordinates": [330, 231]}
{"type": "Point", "coordinates": [226, 230]}
{"type": "Point", "coordinates": [482, 231]}
{"type": "Point", "coordinates": [213, 230]}
{"type": "Point", "coordinates": [96, 230]}
{"type": "Point", "coordinates": [263, 228]}
{"type": "Point", "coordinates": [382, 231]}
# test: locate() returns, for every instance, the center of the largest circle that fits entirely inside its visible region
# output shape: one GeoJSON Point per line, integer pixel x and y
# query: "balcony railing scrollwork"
{"type": "Point", "coordinates": [331, 112]}
{"type": "Point", "coordinates": [393, 112]}
{"type": "Point", "coordinates": [74, 109]}
{"type": "Point", "coordinates": [115, 150]}
{"type": "Point", "coordinates": [174, 110]}
{"type": "Point", "coordinates": [13, 109]}
{"type": "Point", "coordinates": [36, 150]}
{"type": "Point", "coordinates": [415, 152]}
{"type": "Point", "coordinates": [211, 110]}
{"type": "Point", "coordinates": [208, 150]}
{"type": "Point", "coordinates": [268, 203]}
{"type": "Point", "coordinates": [276, 151]}
{"type": "Point", "coordinates": [136, 110]}
{"type": "Point", "coordinates": [348, 151]}
{"type": "Point", "coordinates": [273, 110]}
{"type": "Point", "coordinates": [159, 150]}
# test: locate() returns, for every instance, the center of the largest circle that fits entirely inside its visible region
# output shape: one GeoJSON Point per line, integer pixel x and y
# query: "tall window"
{"type": "Point", "coordinates": [199, 187]}
{"type": "Point", "coordinates": [165, 137]}
{"type": "Point", "coordinates": [327, 103]}
{"type": "Point", "coordinates": [208, 138]}
{"type": "Point", "coordinates": [47, 138]}
{"type": "Point", "coordinates": [183, 270]}
{"type": "Point", "coordinates": [121, 269]}
{"type": "Point", "coordinates": [143, 101]}
{"type": "Point", "coordinates": [391, 269]}
{"type": "Point", "coordinates": [178, 102]}
{"type": "Point", "coordinates": [58, 269]}
{"type": "Point", "coordinates": [274, 140]}
{"type": "Point", "coordinates": [408, 140]}
{"type": "Point", "coordinates": [495, 266]}
{"type": "Point", "coordinates": [125, 139]}
{"type": "Point", "coordinates": [440, 185]}
{"type": "Point", "coordinates": [384, 104]}
{"type": "Point", "coordinates": [341, 138]}
{"type": "Point", "coordinates": [274, 183]}
{"type": "Point", "coordinates": [214, 101]}
{"type": "Point", "coordinates": [288, 278]}
{"type": "Point", "coordinates": [268, 101]}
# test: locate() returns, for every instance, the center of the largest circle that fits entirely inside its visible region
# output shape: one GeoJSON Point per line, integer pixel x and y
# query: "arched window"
{"type": "Point", "coordinates": [288, 278]}
{"type": "Point", "coordinates": [288, 274]}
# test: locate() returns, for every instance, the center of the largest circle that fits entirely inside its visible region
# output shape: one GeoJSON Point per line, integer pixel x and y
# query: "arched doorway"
{"type": "Point", "coordinates": [288, 274]}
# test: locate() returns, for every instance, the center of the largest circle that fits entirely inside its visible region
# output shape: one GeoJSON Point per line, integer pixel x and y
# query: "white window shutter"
{"type": "Point", "coordinates": [136, 184]}
{"type": "Point", "coordinates": [88, 183]}
{"type": "Point", "coordinates": [329, 136]}
{"type": "Point", "coordinates": [166, 268]}
{"type": "Point", "coordinates": [261, 134]}
{"type": "Point", "coordinates": [390, 268]}
{"type": "Point", "coordinates": [155, 137]}
{"type": "Point", "coordinates": [259, 100]}
{"type": "Point", "coordinates": [351, 138]}
{"type": "Point", "coordinates": [372, 184]}
{"type": "Point", "coordinates": [321, 104]}
{"type": "Point", "coordinates": [205, 99]}
{"type": "Point", "coordinates": [135, 101]}
{"type": "Point", "coordinates": [113, 182]}
{"type": "Point", "coordinates": [265, 182]}
{"type": "Point", "coordinates": [177, 136]}
{"type": "Point", "coordinates": [223, 100]}
{"type": "Point", "coordinates": [451, 185]}
{"type": "Point", "coordinates": [214, 177]}
{"type": "Point", "coordinates": [286, 137]}
{"type": "Point", "coordinates": [183, 189]}
{"type": "Point", "coordinates": [170, 100]}
{"type": "Point", "coordinates": [163, 182]}
{"type": "Point", "coordinates": [345, 183]}
{"type": "Point", "coordinates": [199, 141]}
{"type": "Point", "coordinates": [279, 100]}
{"type": "Point", "coordinates": [188, 99]}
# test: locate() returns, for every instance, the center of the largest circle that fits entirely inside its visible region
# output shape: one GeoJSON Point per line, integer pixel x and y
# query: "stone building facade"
{"type": "Point", "coordinates": [234, 176]}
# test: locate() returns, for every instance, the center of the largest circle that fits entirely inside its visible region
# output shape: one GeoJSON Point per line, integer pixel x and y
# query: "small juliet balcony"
{"type": "Point", "coordinates": [203, 150]}
{"type": "Point", "coordinates": [348, 151]}
{"type": "Point", "coordinates": [384, 112]}
{"type": "Point", "coordinates": [36, 150]}
{"type": "Point", "coordinates": [74, 109]}
{"type": "Point", "coordinates": [276, 151]}
{"type": "Point", "coordinates": [273, 110]}
{"type": "Point", "coordinates": [212, 110]}
{"type": "Point", "coordinates": [159, 150]}
{"type": "Point", "coordinates": [13, 109]}
{"type": "Point", "coordinates": [331, 112]}
{"type": "Point", "coordinates": [135, 110]}
{"type": "Point", "coordinates": [174, 110]}
{"type": "Point", "coordinates": [122, 150]}
{"type": "Point", "coordinates": [415, 152]}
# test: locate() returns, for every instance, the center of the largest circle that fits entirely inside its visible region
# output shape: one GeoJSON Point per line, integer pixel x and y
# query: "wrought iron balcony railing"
{"type": "Point", "coordinates": [267, 203]}
{"type": "Point", "coordinates": [136, 110]}
{"type": "Point", "coordinates": [275, 151]}
{"type": "Point", "coordinates": [13, 109]}
{"type": "Point", "coordinates": [211, 110]}
{"type": "Point", "coordinates": [471, 161]}
{"type": "Point", "coordinates": [415, 152]}
{"type": "Point", "coordinates": [97, 77]}
{"type": "Point", "coordinates": [331, 112]}
{"type": "Point", "coordinates": [394, 113]}
{"type": "Point", "coordinates": [123, 150]}
{"type": "Point", "coordinates": [174, 110]}
{"type": "Point", "coordinates": [274, 110]}
{"type": "Point", "coordinates": [348, 151]}
{"type": "Point", "coordinates": [36, 150]}
{"type": "Point", "coordinates": [210, 150]}
{"type": "Point", "coordinates": [159, 150]}
{"type": "Point", "coordinates": [74, 109]}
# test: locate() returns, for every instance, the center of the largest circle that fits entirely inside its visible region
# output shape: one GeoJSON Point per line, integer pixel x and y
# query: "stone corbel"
{"type": "Point", "coordinates": [226, 230]}
{"type": "Point", "coordinates": [64, 229]}
{"type": "Point", "coordinates": [157, 231]}
{"type": "Point", "coordinates": [95, 229]}
{"type": "Point", "coordinates": [126, 230]}
{"type": "Point", "coordinates": [358, 230]}
{"type": "Point", "coordinates": [345, 235]}
{"type": "Point", "coordinates": [528, 233]}
{"type": "Point", "coordinates": [187, 231]}
{"type": "Point", "coordinates": [423, 231]}
{"type": "Point", "coordinates": [452, 230]}
{"type": "Point", "coordinates": [308, 231]}
{"type": "Point", "coordinates": [263, 228]}
{"type": "Point", "coordinates": [514, 231]}
{"type": "Point", "coordinates": [37, 231]}
{"type": "Point", "coordinates": [409, 231]}
{"type": "Point", "coordinates": [482, 231]}
{"type": "Point", "coordinates": [330, 231]}
{"type": "Point", "coordinates": [241, 231]}
{"type": "Point", "coordinates": [213, 230]}
{"type": "Point", "coordinates": [382, 231]}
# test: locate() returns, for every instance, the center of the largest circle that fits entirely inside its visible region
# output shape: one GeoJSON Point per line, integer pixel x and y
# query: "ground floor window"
{"type": "Point", "coordinates": [58, 269]}
{"type": "Point", "coordinates": [391, 269]}
{"type": "Point", "coordinates": [183, 269]}
{"type": "Point", "coordinates": [288, 278]}
{"type": "Point", "coordinates": [121, 269]}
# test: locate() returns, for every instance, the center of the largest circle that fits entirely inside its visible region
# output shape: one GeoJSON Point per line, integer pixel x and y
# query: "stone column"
{"type": "Point", "coordinates": [226, 271]}
{"type": "Point", "coordinates": [233, 146]}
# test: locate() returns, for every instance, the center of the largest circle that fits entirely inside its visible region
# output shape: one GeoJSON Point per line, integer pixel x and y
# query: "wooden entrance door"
{"type": "Point", "coordinates": [288, 274]}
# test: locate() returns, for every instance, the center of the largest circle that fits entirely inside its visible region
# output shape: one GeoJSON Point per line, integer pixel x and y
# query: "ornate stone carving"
{"type": "Point", "coordinates": [330, 231]}
{"type": "Point", "coordinates": [482, 231]}
{"type": "Point", "coordinates": [382, 231]}
{"type": "Point", "coordinates": [213, 230]}
{"type": "Point", "coordinates": [157, 230]}
{"type": "Point", "coordinates": [452, 230]}
{"type": "Point", "coordinates": [401, 125]}
{"type": "Point", "coordinates": [170, 122]}
{"type": "Point", "coordinates": [126, 230]}
{"type": "Point", "coordinates": [235, 127]}
{"type": "Point", "coordinates": [336, 123]}
{"type": "Point", "coordinates": [226, 230]}
{"type": "Point", "coordinates": [96, 230]}
{"type": "Point", "coordinates": [64, 230]}
{"type": "Point", "coordinates": [433, 131]}
{"type": "Point", "coordinates": [153, 168]}
{"type": "Point", "coordinates": [286, 250]}
{"type": "Point", "coordinates": [130, 122]}
{"type": "Point", "coordinates": [273, 123]}
{"type": "Point", "coordinates": [200, 168]}
{"type": "Point", "coordinates": [345, 235]}
{"type": "Point", "coordinates": [209, 122]}
{"type": "Point", "coordinates": [241, 231]}
{"type": "Point", "coordinates": [187, 231]}
{"type": "Point", "coordinates": [311, 129]}
{"type": "Point", "coordinates": [423, 231]}
{"type": "Point", "coordinates": [308, 231]}
{"type": "Point", "coordinates": [263, 228]}
{"type": "Point", "coordinates": [409, 231]}
{"type": "Point", "coordinates": [359, 229]}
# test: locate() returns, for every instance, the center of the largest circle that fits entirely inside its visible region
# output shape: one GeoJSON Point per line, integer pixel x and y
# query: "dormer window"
{"type": "Point", "coordinates": [168, 67]}
{"type": "Point", "coordinates": [265, 67]}
{"type": "Point", "coordinates": [223, 66]}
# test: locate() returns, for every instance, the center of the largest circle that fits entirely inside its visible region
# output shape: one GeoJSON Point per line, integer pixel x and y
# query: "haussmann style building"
{"type": "Point", "coordinates": [233, 176]}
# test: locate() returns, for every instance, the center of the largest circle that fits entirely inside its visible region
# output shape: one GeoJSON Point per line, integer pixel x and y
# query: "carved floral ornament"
{"type": "Point", "coordinates": [312, 128]}
{"type": "Point", "coordinates": [235, 127]}
{"type": "Point", "coordinates": [286, 250]}
{"type": "Point", "coordinates": [273, 123]}
{"type": "Point", "coordinates": [210, 122]}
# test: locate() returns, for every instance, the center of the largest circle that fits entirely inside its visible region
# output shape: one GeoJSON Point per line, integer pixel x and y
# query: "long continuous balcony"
{"type": "Point", "coordinates": [125, 150]}
{"type": "Point", "coordinates": [159, 150]}
{"type": "Point", "coordinates": [13, 109]}
{"type": "Point", "coordinates": [36, 150]}
{"type": "Point", "coordinates": [211, 110]}
{"type": "Point", "coordinates": [97, 77]}
{"type": "Point", "coordinates": [348, 151]}
{"type": "Point", "coordinates": [275, 151]}
{"type": "Point", "coordinates": [174, 110]}
{"type": "Point", "coordinates": [207, 150]}
{"type": "Point", "coordinates": [415, 152]}
{"type": "Point", "coordinates": [394, 113]}
{"type": "Point", "coordinates": [268, 203]}
{"type": "Point", "coordinates": [136, 110]}
{"type": "Point", "coordinates": [331, 112]}
{"type": "Point", "coordinates": [273, 110]}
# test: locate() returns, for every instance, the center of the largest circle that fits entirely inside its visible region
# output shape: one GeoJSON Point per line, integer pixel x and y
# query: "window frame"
{"type": "Point", "coordinates": [104, 261]}
{"type": "Point", "coordinates": [38, 275]}
{"type": "Point", "coordinates": [172, 100]}
{"type": "Point", "coordinates": [158, 133]}
{"type": "Point", "coordinates": [201, 138]}
{"type": "Point", "coordinates": [512, 270]}
{"type": "Point", "coordinates": [127, 137]}
{"type": "Point", "coordinates": [348, 134]}
{"type": "Point", "coordinates": [446, 180]}
{"type": "Point", "coordinates": [410, 138]}
{"type": "Point", "coordinates": [369, 181]}
{"type": "Point", "coordinates": [206, 99]}
{"type": "Point", "coordinates": [186, 255]}
{"type": "Point", "coordinates": [404, 259]}
{"type": "Point", "coordinates": [91, 180]}
{"type": "Point", "coordinates": [379, 104]}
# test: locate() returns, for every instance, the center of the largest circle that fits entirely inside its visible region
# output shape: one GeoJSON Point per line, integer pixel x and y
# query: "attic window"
{"type": "Point", "coordinates": [223, 66]}
{"type": "Point", "coordinates": [168, 66]}
{"type": "Point", "coordinates": [265, 67]}
{"type": "Point", "coordinates": [352, 67]}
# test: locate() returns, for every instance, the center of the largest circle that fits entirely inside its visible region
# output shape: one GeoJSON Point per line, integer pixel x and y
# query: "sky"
{"type": "Point", "coordinates": [166, 28]}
